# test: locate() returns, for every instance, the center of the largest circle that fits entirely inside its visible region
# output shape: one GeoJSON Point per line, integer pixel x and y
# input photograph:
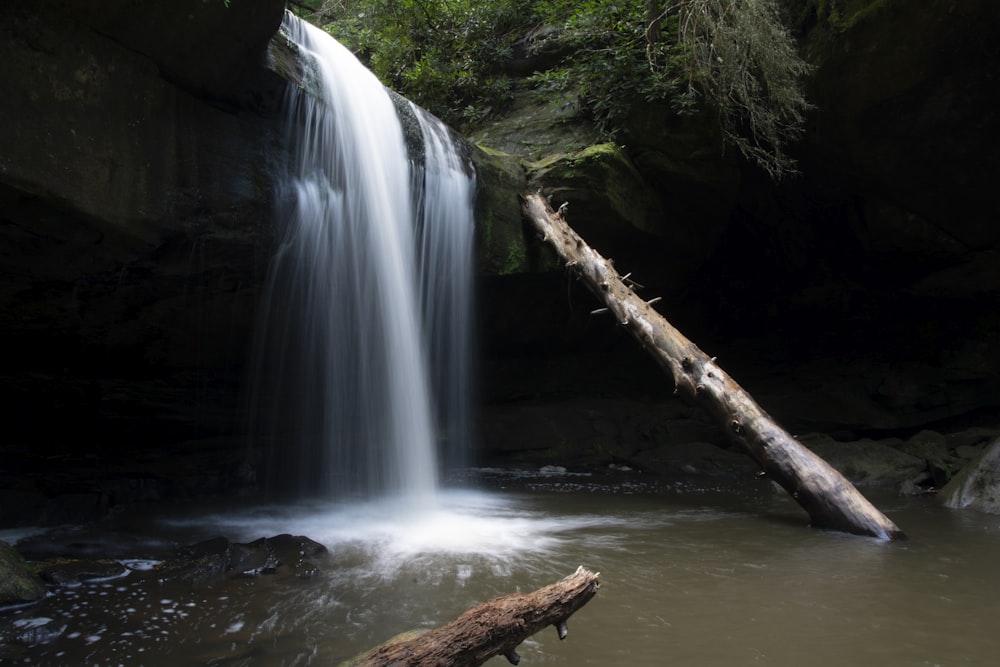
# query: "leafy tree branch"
{"type": "Point", "coordinates": [732, 56]}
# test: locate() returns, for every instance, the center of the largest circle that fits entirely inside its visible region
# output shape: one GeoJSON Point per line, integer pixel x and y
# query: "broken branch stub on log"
{"type": "Point", "coordinates": [493, 628]}
{"type": "Point", "coordinates": [831, 501]}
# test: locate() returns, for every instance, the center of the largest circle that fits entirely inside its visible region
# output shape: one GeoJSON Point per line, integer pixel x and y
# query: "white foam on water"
{"type": "Point", "coordinates": [395, 529]}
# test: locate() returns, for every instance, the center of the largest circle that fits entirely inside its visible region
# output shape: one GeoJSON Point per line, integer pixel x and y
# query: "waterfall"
{"type": "Point", "coordinates": [363, 342]}
{"type": "Point", "coordinates": [445, 266]}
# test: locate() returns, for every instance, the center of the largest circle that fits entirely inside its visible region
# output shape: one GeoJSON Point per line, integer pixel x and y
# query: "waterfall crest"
{"type": "Point", "coordinates": [367, 293]}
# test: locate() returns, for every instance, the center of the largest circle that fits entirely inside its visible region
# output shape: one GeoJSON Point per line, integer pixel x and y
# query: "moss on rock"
{"type": "Point", "coordinates": [503, 245]}
{"type": "Point", "coordinates": [18, 582]}
{"type": "Point", "coordinates": [604, 189]}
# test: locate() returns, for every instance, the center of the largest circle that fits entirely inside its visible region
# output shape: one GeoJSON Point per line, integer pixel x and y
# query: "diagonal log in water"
{"type": "Point", "coordinates": [493, 628]}
{"type": "Point", "coordinates": [831, 501]}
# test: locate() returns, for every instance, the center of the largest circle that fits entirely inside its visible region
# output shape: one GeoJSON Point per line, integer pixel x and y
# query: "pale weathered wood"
{"type": "Point", "coordinates": [490, 629]}
{"type": "Point", "coordinates": [827, 496]}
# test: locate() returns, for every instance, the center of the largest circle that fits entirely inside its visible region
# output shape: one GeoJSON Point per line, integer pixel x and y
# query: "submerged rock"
{"type": "Point", "coordinates": [696, 458]}
{"type": "Point", "coordinates": [29, 632]}
{"type": "Point", "coordinates": [73, 572]}
{"type": "Point", "coordinates": [293, 555]}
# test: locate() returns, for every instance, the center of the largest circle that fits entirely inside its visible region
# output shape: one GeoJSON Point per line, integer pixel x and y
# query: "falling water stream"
{"type": "Point", "coordinates": [364, 350]}
{"type": "Point", "coordinates": [363, 344]}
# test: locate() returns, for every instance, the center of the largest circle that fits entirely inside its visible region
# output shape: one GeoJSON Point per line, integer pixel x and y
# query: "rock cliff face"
{"type": "Point", "coordinates": [885, 245]}
{"type": "Point", "coordinates": [856, 297]}
{"type": "Point", "coordinates": [135, 179]}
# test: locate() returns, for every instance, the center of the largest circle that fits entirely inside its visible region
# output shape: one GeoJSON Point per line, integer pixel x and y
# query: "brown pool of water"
{"type": "Point", "coordinates": [690, 576]}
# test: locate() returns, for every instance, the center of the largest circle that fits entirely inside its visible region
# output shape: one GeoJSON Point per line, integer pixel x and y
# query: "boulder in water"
{"type": "Point", "coordinates": [294, 555]}
{"type": "Point", "coordinates": [18, 582]}
{"type": "Point", "coordinates": [977, 486]}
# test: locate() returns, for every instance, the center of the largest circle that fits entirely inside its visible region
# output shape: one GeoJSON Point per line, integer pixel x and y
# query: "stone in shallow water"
{"type": "Point", "coordinates": [68, 572]}
{"type": "Point", "coordinates": [37, 630]}
{"type": "Point", "coordinates": [977, 486]}
{"type": "Point", "coordinates": [18, 583]}
{"type": "Point", "coordinates": [865, 462]}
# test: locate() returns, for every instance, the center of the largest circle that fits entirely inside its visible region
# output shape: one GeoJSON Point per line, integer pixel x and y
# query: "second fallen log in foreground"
{"type": "Point", "coordinates": [493, 628]}
{"type": "Point", "coordinates": [827, 496]}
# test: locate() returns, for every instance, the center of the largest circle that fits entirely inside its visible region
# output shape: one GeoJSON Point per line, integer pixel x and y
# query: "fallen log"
{"type": "Point", "coordinates": [831, 501]}
{"type": "Point", "coordinates": [490, 629]}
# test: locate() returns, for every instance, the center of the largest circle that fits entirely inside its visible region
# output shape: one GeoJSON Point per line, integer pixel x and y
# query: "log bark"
{"type": "Point", "coordinates": [831, 501]}
{"type": "Point", "coordinates": [490, 629]}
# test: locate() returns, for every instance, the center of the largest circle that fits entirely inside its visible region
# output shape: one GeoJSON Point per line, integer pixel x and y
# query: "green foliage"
{"type": "Point", "coordinates": [446, 55]}
{"type": "Point", "coordinates": [736, 54]}
{"type": "Point", "coordinates": [614, 64]}
{"type": "Point", "coordinates": [449, 56]}
{"type": "Point", "coordinates": [741, 56]}
{"type": "Point", "coordinates": [841, 15]}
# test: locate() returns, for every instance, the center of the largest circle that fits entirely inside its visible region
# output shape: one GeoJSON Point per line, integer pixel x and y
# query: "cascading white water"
{"type": "Point", "coordinates": [444, 256]}
{"type": "Point", "coordinates": [374, 263]}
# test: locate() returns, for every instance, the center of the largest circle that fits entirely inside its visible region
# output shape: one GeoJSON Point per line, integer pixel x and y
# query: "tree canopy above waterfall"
{"type": "Point", "coordinates": [462, 58]}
